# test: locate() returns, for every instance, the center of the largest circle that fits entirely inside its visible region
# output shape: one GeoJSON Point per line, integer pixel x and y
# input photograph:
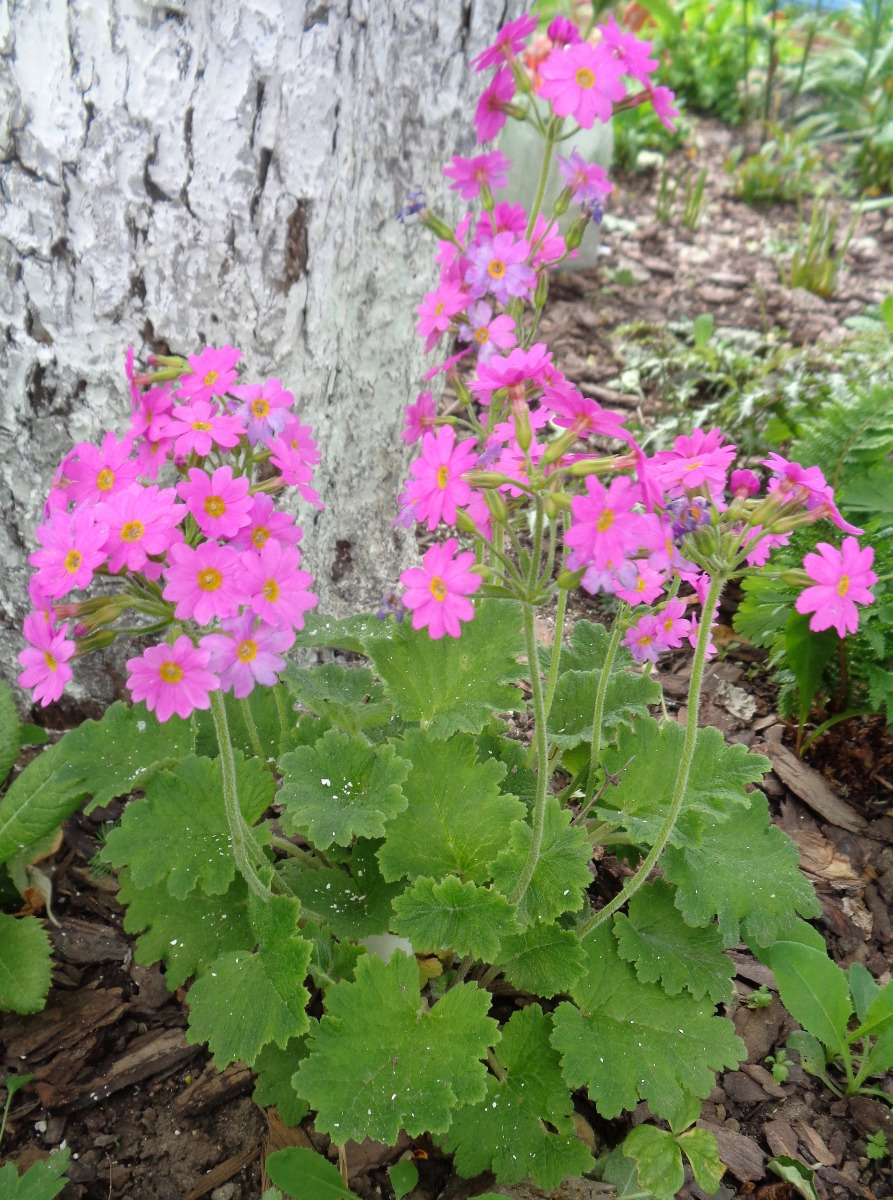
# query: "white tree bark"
{"type": "Point", "coordinates": [199, 172]}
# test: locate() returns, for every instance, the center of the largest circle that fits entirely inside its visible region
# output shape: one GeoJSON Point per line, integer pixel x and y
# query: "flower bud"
{"type": "Point", "coordinates": [557, 502]}
{"type": "Point", "coordinates": [563, 201]}
{"type": "Point", "coordinates": [523, 432]}
{"type": "Point", "coordinates": [558, 447]}
{"type": "Point", "coordinates": [99, 640]}
{"type": "Point", "coordinates": [592, 466]}
{"type": "Point", "coordinates": [499, 510]}
{"type": "Point", "coordinates": [437, 226]}
{"type": "Point", "coordinates": [542, 289]}
{"type": "Point", "coordinates": [464, 521]}
{"type": "Point", "coordinates": [796, 578]}
{"type": "Point", "coordinates": [575, 234]}
{"type": "Point", "coordinates": [570, 579]}
{"type": "Point", "coordinates": [486, 479]}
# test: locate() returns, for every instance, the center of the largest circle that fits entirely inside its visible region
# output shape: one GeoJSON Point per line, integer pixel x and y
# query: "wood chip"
{"type": "Point", "coordinates": [747, 967]}
{"type": "Point", "coordinates": [225, 1171]}
{"type": "Point", "coordinates": [814, 1145]}
{"type": "Point", "coordinates": [211, 1089]}
{"type": "Point", "coordinates": [781, 1139]}
{"type": "Point", "coordinates": [765, 1079]}
{"type": "Point", "coordinates": [87, 942]}
{"type": "Point", "coordinates": [805, 782]}
{"type": "Point", "coordinates": [64, 1023]}
{"type": "Point", "coordinates": [830, 1175]}
{"type": "Point", "coordinates": [819, 859]}
{"type": "Point", "coordinates": [740, 1154]}
{"type": "Point", "coordinates": [152, 1054]}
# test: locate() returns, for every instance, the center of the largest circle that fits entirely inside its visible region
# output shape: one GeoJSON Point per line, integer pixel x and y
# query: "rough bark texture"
{"type": "Point", "coordinates": [181, 174]}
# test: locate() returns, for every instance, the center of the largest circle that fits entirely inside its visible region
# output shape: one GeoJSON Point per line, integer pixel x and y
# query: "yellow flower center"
{"type": "Point", "coordinates": [693, 466]}
{"type": "Point", "coordinates": [640, 584]}
{"type": "Point", "coordinates": [73, 561]}
{"type": "Point", "coordinates": [210, 379]}
{"type": "Point", "coordinates": [214, 506]}
{"type": "Point", "coordinates": [50, 661]}
{"type": "Point", "coordinates": [438, 308]}
{"type": "Point", "coordinates": [260, 409]}
{"type": "Point", "coordinates": [210, 579]}
{"type": "Point", "coordinates": [585, 78]}
{"type": "Point", "coordinates": [247, 650]}
{"type": "Point", "coordinates": [259, 537]}
{"type": "Point", "coordinates": [443, 477]}
{"type": "Point", "coordinates": [132, 531]}
{"type": "Point", "coordinates": [645, 639]}
{"type": "Point", "coordinates": [105, 480]}
{"type": "Point", "coordinates": [482, 335]}
{"type": "Point", "coordinates": [201, 426]}
{"type": "Point", "coordinates": [668, 624]}
{"type": "Point", "coordinates": [605, 521]}
{"type": "Point", "coordinates": [170, 672]}
{"type": "Point", "coordinates": [271, 590]}
{"type": "Point", "coordinates": [843, 585]}
{"type": "Point", "coordinates": [496, 268]}
{"type": "Point", "coordinates": [437, 588]}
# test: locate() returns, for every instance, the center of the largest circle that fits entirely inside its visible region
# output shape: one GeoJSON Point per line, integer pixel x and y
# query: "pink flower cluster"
{"type": "Point", "coordinates": [209, 555]}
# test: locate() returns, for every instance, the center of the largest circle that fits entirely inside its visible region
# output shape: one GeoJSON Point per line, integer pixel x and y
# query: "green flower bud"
{"type": "Point", "coordinates": [570, 579]}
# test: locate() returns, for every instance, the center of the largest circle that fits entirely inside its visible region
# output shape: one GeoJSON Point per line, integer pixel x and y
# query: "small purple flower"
{"type": "Point", "coordinates": [391, 606]}
{"type": "Point", "coordinates": [415, 202]}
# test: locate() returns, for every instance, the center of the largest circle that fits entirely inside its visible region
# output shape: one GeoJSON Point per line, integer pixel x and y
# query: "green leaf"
{"type": "Point", "coordinates": [509, 1131]}
{"type": "Point", "coordinates": [886, 311]}
{"type": "Point", "coordinates": [454, 683]}
{"type": "Point", "coordinates": [39, 799]}
{"type": "Point", "coordinates": [702, 329]}
{"type": "Point", "coordinates": [814, 991]}
{"type": "Point", "coordinates": [179, 833]}
{"type": "Point", "coordinates": [811, 1051]}
{"type": "Point", "coordinates": [346, 696]}
{"type": "Point", "coordinates": [341, 788]}
{"type": "Point", "coordinates": [265, 714]}
{"type": "Point", "coordinates": [807, 654]}
{"type": "Point", "coordinates": [663, 948]}
{"type": "Point", "coordinates": [562, 869]}
{"type": "Point", "coordinates": [268, 983]}
{"type": "Point", "coordinates": [189, 934]}
{"type": "Point", "coordinates": [702, 1151]}
{"type": "Point", "coordinates": [357, 905]}
{"type": "Point", "coordinates": [25, 964]}
{"type": "Point", "coordinates": [124, 750]}
{"type": "Point", "coordinates": [330, 960]}
{"type": "Point", "coordinates": [519, 779]}
{"type": "Point", "coordinates": [658, 1160]}
{"type": "Point", "coordinates": [306, 1175]}
{"type": "Point", "coordinates": [10, 731]}
{"type": "Point", "coordinates": [764, 611]}
{"type": "Point", "coordinates": [404, 1175]}
{"type": "Point", "coordinates": [746, 872]}
{"type": "Point", "coordinates": [621, 1171]}
{"type": "Point", "coordinates": [453, 915]}
{"type": "Point", "coordinates": [879, 1018]}
{"type": "Point", "coordinates": [863, 988]}
{"type": "Point", "coordinates": [275, 1067]}
{"type": "Point", "coordinates": [381, 1061]}
{"type": "Point", "coordinates": [646, 761]}
{"type": "Point", "coordinates": [629, 1041]}
{"type": "Point", "coordinates": [797, 1173]}
{"type": "Point", "coordinates": [353, 634]}
{"type": "Point", "coordinates": [799, 931]}
{"type": "Point", "coordinates": [544, 960]}
{"type": "Point", "coordinates": [457, 818]}
{"type": "Point", "coordinates": [870, 492]}
{"type": "Point", "coordinates": [42, 1181]}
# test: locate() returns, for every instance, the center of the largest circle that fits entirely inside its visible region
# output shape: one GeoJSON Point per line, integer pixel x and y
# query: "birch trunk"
{"type": "Point", "coordinates": [188, 173]}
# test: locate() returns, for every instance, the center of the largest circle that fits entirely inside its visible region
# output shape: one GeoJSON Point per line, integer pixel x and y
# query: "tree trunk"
{"type": "Point", "coordinates": [184, 174]}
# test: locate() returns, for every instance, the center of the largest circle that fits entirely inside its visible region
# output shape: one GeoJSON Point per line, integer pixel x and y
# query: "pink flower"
{"type": "Point", "coordinates": [436, 311]}
{"type": "Point", "coordinates": [489, 333]}
{"type": "Point", "coordinates": [220, 502]}
{"type": "Point", "coordinates": [293, 447]}
{"type": "Point", "coordinates": [662, 102]}
{"type": "Point", "coordinates": [265, 522]}
{"type": "Point", "coordinates": [151, 456]}
{"type": "Point", "coordinates": [743, 484]}
{"type": "Point", "coordinates": [446, 367]}
{"type": "Point", "coordinates": [276, 589]}
{"type": "Point", "coordinates": [265, 408]}
{"type": "Point", "coordinates": [843, 578]}
{"type": "Point", "coordinates": [643, 639]}
{"type": "Point", "coordinates": [471, 175]}
{"type": "Point", "coordinates": [547, 244]}
{"type": "Point", "coordinates": [509, 41]}
{"type": "Point", "coordinates": [198, 426]}
{"type": "Point", "coordinates": [563, 32]}
{"type": "Point", "coordinates": [437, 591]}
{"type": "Point", "coordinates": [505, 218]}
{"type": "Point", "coordinates": [95, 474]}
{"type": "Point", "coordinates": [582, 81]}
{"type": "Point", "coordinates": [588, 182]}
{"type": "Point", "coordinates": [73, 549]}
{"type": "Point", "coordinates": [141, 521]}
{"type": "Point", "coordinates": [212, 373]}
{"type": "Point", "coordinates": [490, 115]}
{"type": "Point", "coordinates": [604, 529]}
{"type": "Point", "coordinates": [203, 582]}
{"type": "Point", "coordinates": [673, 624]}
{"type": "Point", "coordinates": [694, 461]}
{"type": "Point", "coordinates": [419, 416]}
{"type": "Point", "coordinates": [629, 51]}
{"type": "Point", "coordinates": [498, 265]}
{"type": "Point", "coordinates": [172, 679]}
{"type": "Point", "coordinates": [45, 659]}
{"type": "Point", "coordinates": [759, 556]}
{"type": "Point", "coordinates": [584, 416]}
{"type": "Point", "coordinates": [807, 486]}
{"type": "Point", "coordinates": [245, 655]}
{"type": "Point", "coordinates": [647, 587]}
{"type": "Point", "coordinates": [152, 413]}
{"type": "Point", "coordinates": [522, 370]}
{"type": "Point", "coordinates": [438, 486]}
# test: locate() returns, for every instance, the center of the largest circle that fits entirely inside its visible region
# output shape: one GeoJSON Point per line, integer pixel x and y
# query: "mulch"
{"type": "Point", "coordinates": [148, 1117]}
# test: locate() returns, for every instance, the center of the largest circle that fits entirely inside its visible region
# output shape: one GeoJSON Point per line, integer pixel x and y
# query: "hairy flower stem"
{"type": "Point", "coordinates": [280, 707]}
{"type": "Point", "coordinates": [556, 651]}
{"type": "Point", "coordinates": [542, 755]}
{"type": "Point", "coordinates": [688, 752]}
{"type": "Point", "coordinates": [599, 710]}
{"type": "Point", "coordinates": [253, 735]}
{"type": "Point", "coordinates": [551, 133]}
{"type": "Point", "coordinates": [241, 837]}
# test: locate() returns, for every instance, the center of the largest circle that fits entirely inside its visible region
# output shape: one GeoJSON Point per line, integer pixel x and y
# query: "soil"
{"type": "Point", "coordinates": [147, 1117]}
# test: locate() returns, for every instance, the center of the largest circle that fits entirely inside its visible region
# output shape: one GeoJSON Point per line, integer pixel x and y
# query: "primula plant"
{"type": "Point", "coordinates": [362, 854]}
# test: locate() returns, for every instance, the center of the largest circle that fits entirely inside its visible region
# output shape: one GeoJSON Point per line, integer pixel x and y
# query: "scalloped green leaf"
{"type": "Point", "coordinates": [629, 1041]}
{"type": "Point", "coordinates": [347, 696]}
{"type": "Point", "coordinates": [249, 998]}
{"type": "Point", "coordinates": [664, 949]}
{"type": "Point", "coordinates": [357, 905]}
{"type": "Point", "coordinates": [42, 1181]}
{"type": "Point", "coordinates": [645, 763]}
{"type": "Point", "coordinates": [658, 1160]}
{"type": "Point", "coordinates": [629, 696]}
{"type": "Point", "coordinates": [453, 915]}
{"type": "Point", "coordinates": [621, 1171]}
{"type": "Point", "coordinates": [524, 1125]}
{"type": "Point", "coordinates": [380, 1060]}
{"type": "Point", "coordinates": [179, 835]}
{"type": "Point", "coordinates": [519, 779]}
{"type": "Point", "coordinates": [25, 964]}
{"type": "Point", "coordinates": [187, 935]}
{"type": "Point", "coordinates": [264, 712]}
{"type": "Point", "coordinates": [341, 788]}
{"type": "Point", "coordinates": [10, 731]}
{"type": "Point", "coordinates": [330, 960]}
{"type": "Point", "coordinates": [457, 818]}
{"type": "Point", "coordinates": [125, 749]}
{"type": "Point", "coordinates": [746, 873]}
{"type": "Point", "coordinates": [348, 633]}
{"type": "Point", "coordinates": [543, 959]}
{"type": "Point", "coordinates": [274, 1068]}
{"type": "Point", "coordinates": [562, 870]}
{"type": "Point", "coordinates": [701, 1149]}
{"type": "Point", "coordinates": [39, 799]}
{"type": "Point", "coordinates": [453, 684]}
